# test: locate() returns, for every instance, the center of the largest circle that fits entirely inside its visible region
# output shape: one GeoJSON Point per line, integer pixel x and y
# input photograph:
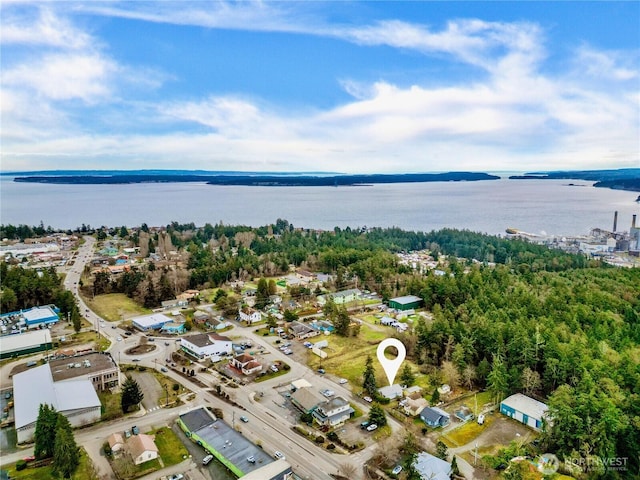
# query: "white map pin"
{"type": "Point", "coordinates": [391, 367]}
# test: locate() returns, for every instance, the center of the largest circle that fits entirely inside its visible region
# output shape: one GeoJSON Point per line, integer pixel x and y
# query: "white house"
{"type": "Point", "coordinates": [391, 391]}
{"type": "Point", "coordinates": [206, 345]}
{"type": "Point", "coordinates": [246, 363]}
{"type": "Point", "coordinates": [75, 399]}
{"type": "Point", "coordinates": [249, 315]}
{"type": "Point", "coordinates": [142, 448]}
{"type": "Point", "coordinates": [333, 412]}
{"type": "Point", "coordinates": [116, 442]}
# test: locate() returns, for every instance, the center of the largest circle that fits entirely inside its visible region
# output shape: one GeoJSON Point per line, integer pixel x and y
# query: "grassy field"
{"type": "Point", "coordinates": [114, 306]}
{"type": "Point", "coordinates": [46, 473]}
{"type": "Point", "coordinates": [171, 449]}
{"type": "Point", "coordinates": [111, 407]}
{"type": "Point", "coordinates": [467, 432]}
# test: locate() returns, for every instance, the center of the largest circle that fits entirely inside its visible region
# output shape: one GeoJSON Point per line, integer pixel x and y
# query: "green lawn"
{"type": "Point", "coordinates": [46, 473]}
{"type": "Point", "coordinates": [467, 432]}
{"type": "Point", "coordinates": [171, 449]}
{"type": "Point", "coordinates": [114, 306]}
{"type": "Point", "coordinates": [111, 407]}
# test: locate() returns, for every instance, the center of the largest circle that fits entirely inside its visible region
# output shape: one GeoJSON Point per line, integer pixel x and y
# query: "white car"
{"type": "Point", "coordinates": [328, 393]}
{"type": "Point", "coordinates": [343, 381]}
{"type": "Point", "coordinates": [397, 469]}
{"type": "Point", "coordinates": [119, 339]}
{"type": "Point", "coordinates": [279, 455]}
{"type": "Point", "coordinates": [372, 427]}
{"type": "Point", "coordinates": [480, 419]}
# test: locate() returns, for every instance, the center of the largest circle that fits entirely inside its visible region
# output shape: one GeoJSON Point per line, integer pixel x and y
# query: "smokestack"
{"type": "Point", "coordinates": [633, 221]}
{"type": "Point", "coordinates": [615, 221]}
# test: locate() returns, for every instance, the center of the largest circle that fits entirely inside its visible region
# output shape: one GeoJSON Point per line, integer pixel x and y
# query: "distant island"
{"type": "Point", "coordinates": [257, 179]}
{"type": "Point", "coordinates": [620, 179]}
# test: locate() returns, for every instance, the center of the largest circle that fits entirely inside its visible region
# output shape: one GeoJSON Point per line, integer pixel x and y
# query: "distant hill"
{"type": "Point", "coordinates": [256, 179]}
{"type": "Point", "coordinates": [620, 179]}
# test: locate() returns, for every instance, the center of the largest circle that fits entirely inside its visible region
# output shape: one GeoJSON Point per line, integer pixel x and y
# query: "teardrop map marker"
{"type": "Point", "coordinates": [391, 367]}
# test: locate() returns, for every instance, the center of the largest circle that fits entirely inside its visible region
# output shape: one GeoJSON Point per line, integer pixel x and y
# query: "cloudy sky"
{"type": "Point", "coordinates": [355, 87]}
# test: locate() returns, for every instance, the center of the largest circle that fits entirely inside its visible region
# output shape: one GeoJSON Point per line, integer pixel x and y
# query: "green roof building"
{"type": "Point", "coordinates": [407, 302]}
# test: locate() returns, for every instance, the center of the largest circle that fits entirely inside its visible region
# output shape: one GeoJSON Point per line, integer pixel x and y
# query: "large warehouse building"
{"type": "Point", "coordinates": [524, 409]}
{"type": "Point", "coordinates": [75, 399]}
{"type": "Point", "coordinates": [12, 346]}
{"type": "Point", "coordinates": [408, 302]}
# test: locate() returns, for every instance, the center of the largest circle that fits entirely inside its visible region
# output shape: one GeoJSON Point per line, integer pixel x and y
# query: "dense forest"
{"type": "Point", "coordinates": [25, 288]}
{"type": "Point", "coordinates": [508, 315]}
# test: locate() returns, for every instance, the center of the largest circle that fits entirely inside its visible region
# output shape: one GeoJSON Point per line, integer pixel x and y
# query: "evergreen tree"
{"type": "Point", "coordinates": [341, 322]}
{"type": "Point", "coordinates": [66, 454]}
{"type": "Point", "coordinates": [407, 376]}
{"type": "Point", "coordinates": [369, 378]}
{"type": "Point", "coordinates": [435, 396]}
{"type": "Point", "coordinates": [455, 470]}
{"type": "Point", "coordinates": [498, 378]}
{"type": "Point", "coordinates": [45, 433]}
{"type": "Point", "coordinates": [262, 294]}
{"type": "Point", "coordinates": [273, 288]}
{"type": "Point", "coordinates": [377, 415]}
{"type": "Point", "coordinates": [131, 394]}
{"type": "Point", "coordinates": [441, 450]}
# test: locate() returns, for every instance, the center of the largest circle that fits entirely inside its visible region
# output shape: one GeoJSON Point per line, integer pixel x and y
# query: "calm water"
{"type": "Point", "coordinates": [547, 206]}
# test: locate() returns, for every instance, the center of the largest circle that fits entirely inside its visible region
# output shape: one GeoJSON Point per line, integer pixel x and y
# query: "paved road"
{"type": "Point", "coordinates": [266, 426]}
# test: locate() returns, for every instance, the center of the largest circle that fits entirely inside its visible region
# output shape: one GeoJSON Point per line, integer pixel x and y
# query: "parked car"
{"type": "Point", "coordinates": [135, 360]}
{"type": "Point", "coordinates": [287, 351]}
{"type": "Point", "coordinates": [397, 469]}
{"type": "Point", "coordinates": [343, 381]}
{"type": "Point", "coordinates": [167, 343]}
{"type": "Point", "coordinates": [328, 393]}
{"type": "Point", "coordinates": [368, 399]}
{"type": "Point", "coordinates": [372, 427]}
{"type": "Point", "coordinates": [251, 459]}
{"type": "Point", "coordinates": [279, 455]}
{"type": "Point", "coordinates": [119, 338]}
{"type": "Point", "coordinates": [244, 419]}
{"type": "Point", "coordinates": [207, 460]}
{"type": "Point", "coordinates": [164, 369]}
{"type": "Point", "coordinates": [365, 424]}
{"type": "Point", "coordinates": [480, 419]}
{"type": "Point", "coordinates": [321, 371]}
{"type": "Point", "coordinates": [135, 430]}
{"type": "Point", "coordinates": [274, 368]}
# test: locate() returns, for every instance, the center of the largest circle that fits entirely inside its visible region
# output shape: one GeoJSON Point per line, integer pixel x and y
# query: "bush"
{"type": "Point", "coordinates": [332, 436]}
{"type": "Point", "coordinates": [319, 439]}
{"type": "Point", "coordinates": [331, 446]}
{"type": "Point", "coordinates": [175, 387]}
{"type": "Point", "coordinates": [286, 367]}
{"type": "Point", "coordinates": [21, 465]}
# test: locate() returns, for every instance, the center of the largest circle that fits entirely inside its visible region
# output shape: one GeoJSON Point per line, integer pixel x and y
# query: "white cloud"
{"type": "Point", "coordinates": [587, 115]}
{"type": "Point", "coordinates": [47, 29]}
{"type": "Point", "coordinates": [64, 76]}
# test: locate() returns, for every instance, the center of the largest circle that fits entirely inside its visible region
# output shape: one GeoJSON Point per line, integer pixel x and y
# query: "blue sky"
{"type": "Point", "coordinates": [355, 87]}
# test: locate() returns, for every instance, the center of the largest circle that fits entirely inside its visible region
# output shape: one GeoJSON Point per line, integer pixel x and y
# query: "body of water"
{"type": "Point", "coordinates": [535, 206]}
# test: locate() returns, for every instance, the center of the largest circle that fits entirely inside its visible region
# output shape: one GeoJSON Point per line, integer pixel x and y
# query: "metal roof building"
{"type": "Point", "coordinates": [75, 399]}
{"type": "Point", "coordinates": [230, 447]}
{"type": "Point", "coordinates": [407, 302]}
{"type": "Point", "coordinates": [151, 322]}
{"type": "Point", "coordinates": [25, 343]}
{"type": "Point", "coordinates": [524, 409]}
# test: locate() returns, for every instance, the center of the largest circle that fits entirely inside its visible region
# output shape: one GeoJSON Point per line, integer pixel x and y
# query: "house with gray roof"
{"type": "Point", "coordinates": [434, 417]}
{"type": "Point", "coordinates": [431, 468]}
{"type": "Point", "coordinates": [305, 400]}
{"type": "Point", "coordinates": [333, 412]}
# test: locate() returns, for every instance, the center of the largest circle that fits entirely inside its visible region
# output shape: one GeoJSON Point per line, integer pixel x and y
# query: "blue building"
{"type": "Point", "coordinates": [36, 316]}
{"type": "Point", "coordinates": [524, 409]}
{"type": "Point", "coordinates": [151, 322]}
{"type": "Point", "coordinates": [434, 417]}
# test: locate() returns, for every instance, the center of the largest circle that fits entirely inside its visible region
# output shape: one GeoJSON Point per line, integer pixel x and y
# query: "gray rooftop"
{"type": "Point", "coordinates": [406, 299]}
{"type": "Point", "coordinates": [527, 405]}
{"type": "Point", "coordinates": [62, 368]}
{"type": "Point", "coordinates": [229, 442]}
{"type": "Point", "coordinates": [197, 419]}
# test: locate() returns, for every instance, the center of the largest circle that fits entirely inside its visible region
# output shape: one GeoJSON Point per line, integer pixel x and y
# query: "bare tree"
{"type": "Point", "coordinates": [450, 374]}
{"type": "Point", "coordinates": [469, 375]}
{"type": "Point", "coordinates": [530, 380]}
{"type": "Point", "coordinates": [347, 469]}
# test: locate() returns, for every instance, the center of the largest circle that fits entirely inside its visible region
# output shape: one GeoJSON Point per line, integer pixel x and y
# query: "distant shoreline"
{"type": "Point", "coordinates": [620, 179]}
{"type": "Point", "coordinates": [259, 180]}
